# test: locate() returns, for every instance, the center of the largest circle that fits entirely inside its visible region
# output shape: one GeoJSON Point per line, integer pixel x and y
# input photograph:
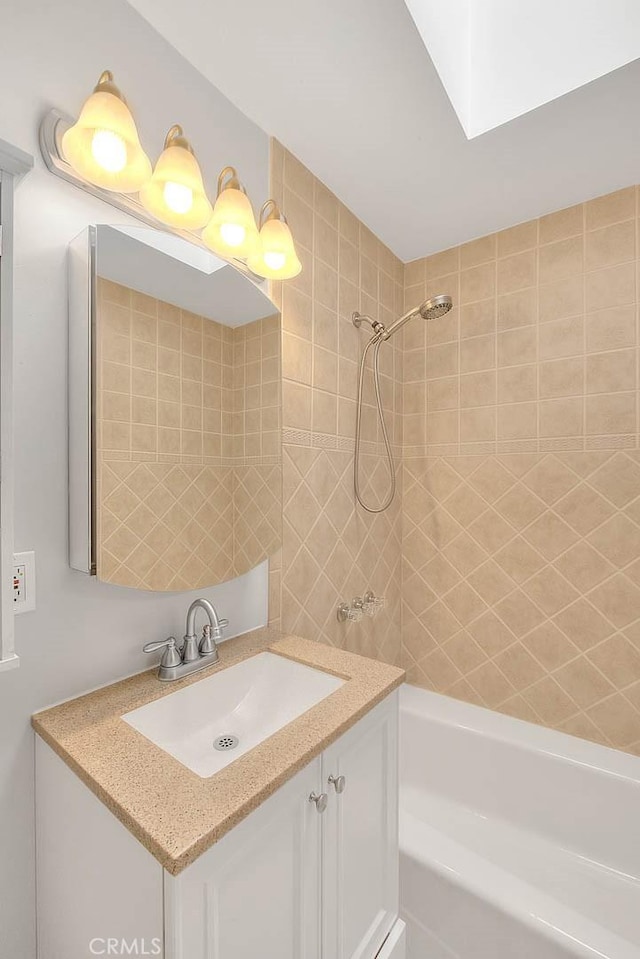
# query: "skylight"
{"type": "Point", "coordinates": [499, 59]}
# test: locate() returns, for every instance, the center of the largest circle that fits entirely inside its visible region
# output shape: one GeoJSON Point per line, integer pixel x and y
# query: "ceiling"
{"type": "Point", "coordinates": [349, 87]}
{"type": "Point", "coordinates": [488, 52]}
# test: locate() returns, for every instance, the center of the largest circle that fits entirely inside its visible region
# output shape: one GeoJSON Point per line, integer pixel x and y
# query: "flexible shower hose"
{"type": "Point", "coordinates": [376, 342]}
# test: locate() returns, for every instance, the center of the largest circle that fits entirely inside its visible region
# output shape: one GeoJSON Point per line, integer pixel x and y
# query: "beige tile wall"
{"type": "Point", "coordinates": [521, 479]}
{"type": "Point", "coordinates": [257, 443]}
{"type": "Point", "coordinates": [510, 560]}
{"type": "Point", "coordinates": [189, 463]}
{"type": "Point", "coordinates": [331, 550]}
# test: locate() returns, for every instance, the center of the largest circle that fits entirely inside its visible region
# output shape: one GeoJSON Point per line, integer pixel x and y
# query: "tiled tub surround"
{"type": "Point", "coordinates": [104, 750]}
{"type": "Point", "coordinates": [189, 444]}
{"type": "Point", "coordinates": [514, 540]}
{"type": "Point", "coordinates": [521, 473]}
{"type": "Point", "coordinates": [332, 550]}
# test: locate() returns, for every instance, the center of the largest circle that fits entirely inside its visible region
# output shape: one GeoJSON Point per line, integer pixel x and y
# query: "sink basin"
{"type": "Point", "coordinates": [213, 722]}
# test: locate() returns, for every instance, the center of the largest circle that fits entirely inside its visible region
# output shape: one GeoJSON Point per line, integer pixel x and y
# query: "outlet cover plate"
{"type": "Point", "coordinates": [24, 582]}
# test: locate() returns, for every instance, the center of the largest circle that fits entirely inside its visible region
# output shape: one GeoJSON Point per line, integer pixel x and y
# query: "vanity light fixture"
{"type": "Point", "coordinates": [232, 229]}
{"type": "Point", "coordinates": [103, 144]}
{"type": "Point", "coordinates": [100, 152]}
{"type": "Point", "coordinates": [275, 256]}
{"type": "Point", "coordinates": [175, 193]}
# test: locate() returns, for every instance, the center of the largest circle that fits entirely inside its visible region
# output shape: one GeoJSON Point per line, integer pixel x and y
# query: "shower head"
{"type": "Point", "coordinates": [431, 309]}
{"type": "Point", "coordinates": [436, 306]}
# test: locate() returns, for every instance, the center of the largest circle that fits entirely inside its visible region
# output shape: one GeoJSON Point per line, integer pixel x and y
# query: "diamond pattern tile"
{"type": "Point", "coordinates": [547, 582]}
{"type": "Point", "coordinates": [148, 536]}
{"type": "Point", "coordinates": [510, 565]}
{"type": "Point", "coordinates": [172, 527]}
{"type": "Point", "coordinates": [188, 438]}
{"type": "Point", "coordinates": [333, 550]}
{"type": "Point", "coordinates": [334, 554]}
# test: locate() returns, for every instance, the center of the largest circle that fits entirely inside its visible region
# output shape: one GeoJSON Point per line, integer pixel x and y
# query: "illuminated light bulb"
{"type": "Point", "coordinates": [178, 197]}
{"type": "Point", "coordinates": [275, 261]}
{"type": "Point", "coordinates": [233, 233]}
{"type": "Point", "coordinates": [232, 230]}
{"type": "Point", "coordinates": [103, 145]}
{"type": "Point", "coordinates": [175, 193]}
{"type": "Point", "coordinates": [275, 257]}
{"type": "Point", "coordinates": [109, 151]}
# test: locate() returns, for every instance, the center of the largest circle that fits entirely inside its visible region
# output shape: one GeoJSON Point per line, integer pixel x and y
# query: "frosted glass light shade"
{"type": "Point", "coordinates": [232, 230]}
{"type": "Point", "coordinates": [103, 144]}
{"type": "Point", "coordinates": [175, 193]}
{"type": "Point", "coordinates": [275, 257]}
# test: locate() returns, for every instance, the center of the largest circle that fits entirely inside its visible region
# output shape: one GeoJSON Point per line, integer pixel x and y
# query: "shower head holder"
{"type": "Point", "coordinates": [377, 327]}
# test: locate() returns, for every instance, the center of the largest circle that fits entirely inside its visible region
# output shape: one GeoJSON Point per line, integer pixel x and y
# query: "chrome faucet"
{"type": "Point", "coordinates": [211, 633]}
{"type": "Point", "coordinates": [192, 655]}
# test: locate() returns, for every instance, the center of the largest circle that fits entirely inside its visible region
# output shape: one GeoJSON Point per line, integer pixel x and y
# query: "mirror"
{"type": "Point", "coordinates": [174, 413]}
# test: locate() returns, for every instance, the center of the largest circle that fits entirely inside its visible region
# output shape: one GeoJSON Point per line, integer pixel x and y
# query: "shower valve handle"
{"type": "Point", "coordinates": [373, 603]}
{"type": "Point", "coordinates": [350, 614]}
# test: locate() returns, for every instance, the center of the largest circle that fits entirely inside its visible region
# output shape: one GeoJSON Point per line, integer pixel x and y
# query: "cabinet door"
{"type": "Point", "coordinates": [360, 841]}
{"type": "Point", "coordinates": [257, 891]}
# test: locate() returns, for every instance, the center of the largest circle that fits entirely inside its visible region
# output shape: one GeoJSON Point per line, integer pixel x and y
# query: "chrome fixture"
{"type": "Point", "coordinates": [338, 782]}
{"type": "Point", "coordinates": [320, 799]}
{"type": "Point", "coordinates": [367, 605]}
{"type": "Point", "coordinates": [372, 603]}
{"type": "Point", "coordinates": [192, 656]}
{"type": "Point", "coordinates": [431, 309]}
{"type": "Point", "coordinates": [350, 613]}
{"type": "Point", "coordinates": [225, 742]}
{"type": "Point", "coordinates": [212, 632]}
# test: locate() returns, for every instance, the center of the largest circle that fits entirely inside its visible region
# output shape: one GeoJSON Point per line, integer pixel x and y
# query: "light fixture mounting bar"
{"type": "Point", "coordinates": [53, 126]}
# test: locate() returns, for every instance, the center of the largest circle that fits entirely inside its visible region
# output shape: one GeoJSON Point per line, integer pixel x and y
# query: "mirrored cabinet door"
{"type": "Point", "coordinates": [177, 461]}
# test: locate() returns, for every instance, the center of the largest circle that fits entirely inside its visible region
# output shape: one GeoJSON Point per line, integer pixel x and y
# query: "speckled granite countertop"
{"type": "Point", "coordinates": [174, 813]}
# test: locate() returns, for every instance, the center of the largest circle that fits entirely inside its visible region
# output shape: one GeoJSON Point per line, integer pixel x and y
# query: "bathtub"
{"type": "Point", "coordinates": [516, 842]}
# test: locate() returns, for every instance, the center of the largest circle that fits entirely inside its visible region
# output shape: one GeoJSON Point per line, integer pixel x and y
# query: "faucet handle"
{"type": "Point", "coordinates": [207, 645]}
{"type": "Point", "coordinates": [170, 656]}
{"type": "Point", "coordinates": [373, 603]}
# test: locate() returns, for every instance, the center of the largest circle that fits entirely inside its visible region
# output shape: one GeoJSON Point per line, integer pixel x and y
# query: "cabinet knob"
{"type": "Point", "coordinates": [320, 800]}
{"type": "Point", "coordinates": [338, 783]}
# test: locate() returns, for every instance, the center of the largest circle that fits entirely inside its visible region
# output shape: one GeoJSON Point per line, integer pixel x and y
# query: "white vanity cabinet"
{"type": "Point", "coordinates": [291, 881]}
{"type": "Point", "coordinates": [256, 892]}
{"type": "Point", "coordinates": [360, 837]}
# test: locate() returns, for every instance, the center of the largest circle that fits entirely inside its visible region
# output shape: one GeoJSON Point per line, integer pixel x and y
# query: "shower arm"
{"type": "Point", "coordinates": [377, 327]}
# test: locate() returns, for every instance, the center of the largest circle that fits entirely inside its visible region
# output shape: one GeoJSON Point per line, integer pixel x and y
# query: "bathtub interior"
{"type": "Point", "coordinates": [534, 824]}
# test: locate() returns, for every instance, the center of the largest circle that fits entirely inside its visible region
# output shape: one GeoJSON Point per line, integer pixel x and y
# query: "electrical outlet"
{"type": "Point", "coordinates": [24, 582]}
{"type": "Point", "coordinates": [18, 584]}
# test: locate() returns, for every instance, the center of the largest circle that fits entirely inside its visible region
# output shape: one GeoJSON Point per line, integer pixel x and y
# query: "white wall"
{"type": "Point", "coordinates": [83, 633]}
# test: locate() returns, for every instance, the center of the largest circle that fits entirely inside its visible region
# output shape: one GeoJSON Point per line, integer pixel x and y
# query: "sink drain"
{"type": "Point", "coordinates": [228, 741]}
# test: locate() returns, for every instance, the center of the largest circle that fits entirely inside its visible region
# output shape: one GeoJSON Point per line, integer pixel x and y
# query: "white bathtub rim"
{"type": "Point", "coordinates": [528, 737]}
{"type": "Point", "coordinates": [508, 894]}
{"type": "Point", "coordinates": [411, 921]}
